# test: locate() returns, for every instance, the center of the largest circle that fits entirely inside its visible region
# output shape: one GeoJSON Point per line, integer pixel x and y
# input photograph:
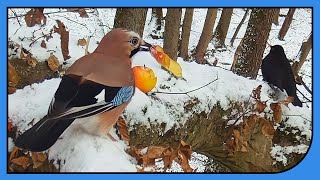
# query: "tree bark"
{"type": "Point", "coordinates": [286, 24]}
{"type": "Point", "coordinates": [304, 51]}
{"type": "Point", "coordinates": [239, 26]}
{"type": "Point", "coordinates": [185, 36]}
{"type": "Point", "coordinates": [158, 14]}
{"type": "Point", "coordinates": [221, 31]}
{"type": "Point", "coordinates": [276, 12]}
{"type": "Point", "coordinates": [132, 19]}
{"type": "Point", "coordinates": [248, 57]}
{"type": "Point", "coordinates": [172, 32]}
{"type": "Point", "coordinates": [206, 35]}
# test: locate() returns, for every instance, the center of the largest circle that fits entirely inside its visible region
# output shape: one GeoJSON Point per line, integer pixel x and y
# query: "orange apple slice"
{"type": "Point", "coordinates": [165, 61]}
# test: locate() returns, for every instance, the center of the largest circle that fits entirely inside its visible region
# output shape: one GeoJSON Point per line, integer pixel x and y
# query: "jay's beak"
{"type": "Point", "coordinates": [145, 46]}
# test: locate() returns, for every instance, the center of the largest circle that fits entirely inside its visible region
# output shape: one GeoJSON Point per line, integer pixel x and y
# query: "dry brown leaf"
{"type": "Point", "coordinates": [81, 11]}
{"type": "Point", "coordinates": [155, 151]}
{"type": "Point", "coordinates": [257, 93]}
{"type": "Point", "coordinates": [236, 134]}
{"type": "Point", "coordinates": [21, 161]}
{"type": "Point", "coordinates": [38, 159]}
{"type": "Point", "coordinates": [24, 53]}
{"type": "Point", "coordinates": [11, 90]}
{"type": "Point", "coordinates": [277, 112]}
{"type": "Point", "coordinates": [31, 61]}
{"type": "Point", "coordinates": [143, 170]}
{"type": "Point", "coordinates": [287, 101]}
{"type": "Point", "coordinates": [123, 130]}
{"type": "Point", "coordinates": [168, 156]}
{"type": "Point", "coordinates": [185, 149]}
{"type": "Point", "coordinates": [82, 42]}
{"type": "Point", "coordinates": [184, 162]}
{"type": "Point", "coordinates": [43, 44]}
{"type": "Point", "coordinates": [252, 120]}
{"type": "Point", "coordinates": [53, 62]}
{"type": "Point", "coordinates": [13, 77]}
{"type": "Point", "coordinates": [260, 106]}
{"type": "Point", "coordinates": [64, 39]}
{"type": "Point", "coordinates": [35, 16]}
{"type": "Point", "coordinates": [14, 153]}
{"type": "Point", "coordinates": [267, 129]}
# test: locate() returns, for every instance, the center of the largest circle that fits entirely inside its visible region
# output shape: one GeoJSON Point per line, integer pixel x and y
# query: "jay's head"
{"type": "Point", "coordinates": [122, 43]}
{"type": "Point", "coordinates": [137, 43]}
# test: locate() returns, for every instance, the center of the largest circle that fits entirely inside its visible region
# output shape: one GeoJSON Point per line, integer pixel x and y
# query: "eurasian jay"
{"type": "Point", "coordinates": [108, 68]}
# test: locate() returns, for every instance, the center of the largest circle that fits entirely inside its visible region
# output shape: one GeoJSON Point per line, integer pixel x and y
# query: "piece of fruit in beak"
{"type": "Point", "coordinates": [144, 78]}
{"type": "Point", "coordinates": [165, 61]}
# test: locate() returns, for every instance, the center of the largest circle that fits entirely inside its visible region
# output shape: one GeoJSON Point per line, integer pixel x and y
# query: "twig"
{"type": "Point", "coordinates": [86, 50]}
{"type": "Point", "coordinates": [298, 116]}
{"type": "Point", "coordinates": [303, 95]}
{"type": "Point", "coordinates": [38, 39]}
{"type": "Point", "coordinates": [73, 21]}
{"type": "Point", "coordinates": [161, 92]}
{"type": "Point", "coordinates": [21, 15]}
{"type": "Point", "coordinates": [306, 87]}
{"type": "Point", "coordinates": [16, 16]}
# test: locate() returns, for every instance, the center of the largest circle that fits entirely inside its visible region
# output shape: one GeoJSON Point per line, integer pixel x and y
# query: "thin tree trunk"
{"type": "Point", "coordinates": [276, 12]}
{"type": "Point", "coordinates": [286, 24]}
{"type": "Point", "coordinates": [248, 57]}
{"type": "Point", "coordinates": [132, 19]}
{"type": "Point", "coordinates": [158, 14]}
{"type": "Point", "coordinates": [221, 31]}
{"type": "Point", "coordinates": [304, 51]}
{"type": "Point", "coordinates": [239, 26]}
{"type": "Point", "coordinates": [205, 35]}
{"type": "Point", "coordinates": [171, 32]}
{"type": "Point", "coordinates": [186, 28]}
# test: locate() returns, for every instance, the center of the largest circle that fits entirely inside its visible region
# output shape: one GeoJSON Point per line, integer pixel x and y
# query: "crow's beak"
{"type": "Point", "coordinates": [145, 46]}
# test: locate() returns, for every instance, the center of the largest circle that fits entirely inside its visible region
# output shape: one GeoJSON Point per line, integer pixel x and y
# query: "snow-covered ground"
{"type": "Point", "coordinates": [84, 152]}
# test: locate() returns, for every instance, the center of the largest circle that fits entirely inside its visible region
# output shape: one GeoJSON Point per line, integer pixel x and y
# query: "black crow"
{"type": "Point", "coordinates": [277, 71]}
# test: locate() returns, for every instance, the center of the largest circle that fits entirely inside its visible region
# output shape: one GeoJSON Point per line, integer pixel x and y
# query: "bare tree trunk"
{"type": "Point", "coordinates": [132, 19]}
{"type": "Point", "coordinates": [186, 28]}
{"type": "Point", "coordinates": [158, 14]}
{"type": "Point", "coordinates": [239, 26]}
{"type": "Point", "coordinates": [222, 28]}
{"type": "Point", "coordinates": [286, 24]}
{"type": "Point", "coordinates": [276, 12]}
{"type": "Point", "coordinates": [205, 35]}
{"type": "Point", "coordinates": [248, 57]}
{"type": "Point", "coordinates": [171, 32]}
{"type": "Point", "coordinates": [304, 51]}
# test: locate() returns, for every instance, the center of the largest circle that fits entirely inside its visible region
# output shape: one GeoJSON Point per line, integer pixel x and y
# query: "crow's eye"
{"type": "Point", "coordinates": [134, 41]}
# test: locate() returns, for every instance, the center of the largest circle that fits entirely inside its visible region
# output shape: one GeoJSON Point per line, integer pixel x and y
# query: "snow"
{"type": "Point", "coordinates": [279, 153]}
{"type": "Point", "coordinates": [79, 151]}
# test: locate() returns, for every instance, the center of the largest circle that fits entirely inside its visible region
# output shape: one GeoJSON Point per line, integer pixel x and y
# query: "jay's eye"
{"type": "Point", "coordinates": [134, 41]}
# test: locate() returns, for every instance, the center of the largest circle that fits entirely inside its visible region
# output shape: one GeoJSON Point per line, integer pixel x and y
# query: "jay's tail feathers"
{"type": "Point", "coordinates": [42, 135]}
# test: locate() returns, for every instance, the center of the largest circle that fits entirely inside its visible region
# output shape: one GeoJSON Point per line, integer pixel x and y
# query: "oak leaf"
{"type": "Point", "coordinates": [277, 112]}
{"type": "Point", "coordinates": [53, 62]}
{"type": "Point", "coordinates": [43, 44]}
{"type": "Point", "coordinates": [64, 39]}
{"type": "Point", "coordinates": [23, 161]}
